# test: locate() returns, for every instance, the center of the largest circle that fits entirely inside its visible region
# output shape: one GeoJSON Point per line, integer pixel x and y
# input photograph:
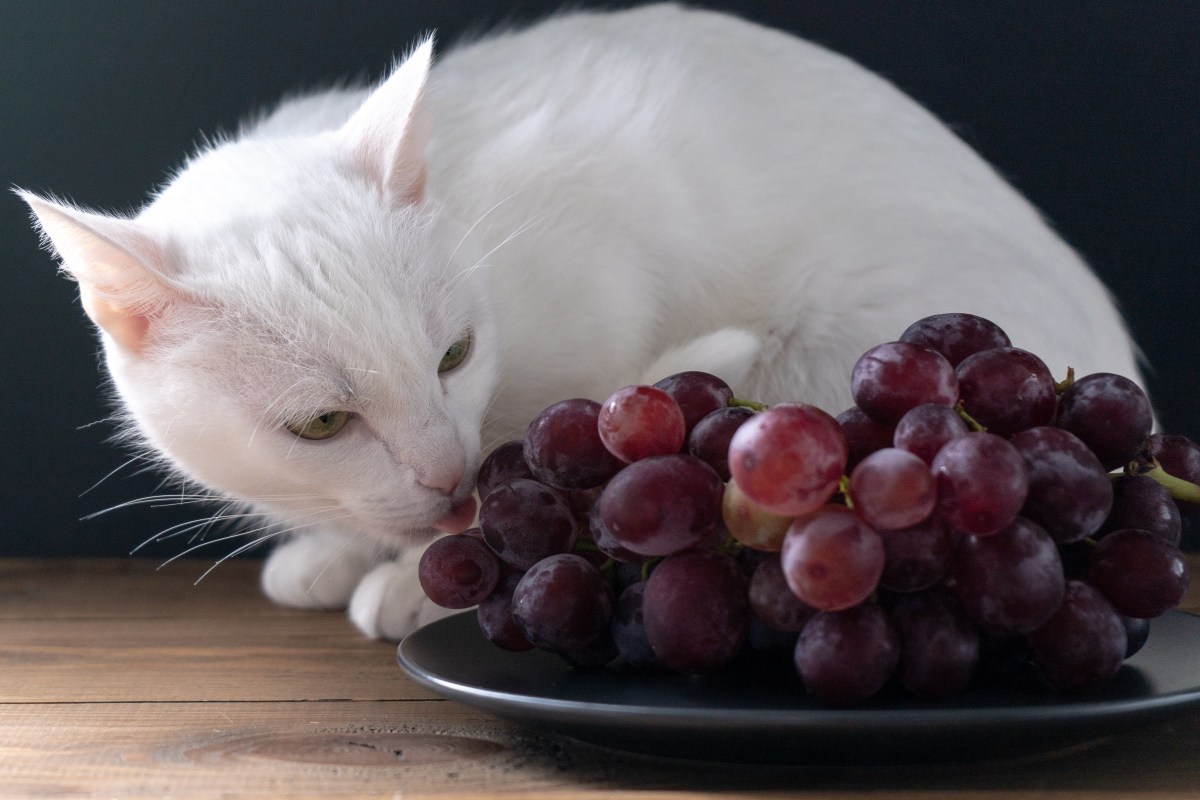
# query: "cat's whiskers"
{"type": "Point", "coordinates": [350, 540]}
{"type": "Point", "coordinates": [481, 218]}
{"type": "Point", "coordinates": [522, 228]}
{"type": "Point", "coordinates": [252, 544]}
{"type": "Point", "coordinates": [303, 520]}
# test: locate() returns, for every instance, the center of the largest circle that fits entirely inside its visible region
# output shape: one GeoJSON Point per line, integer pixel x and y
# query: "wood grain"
{"type": "Point", "coordinates": [117, 680]}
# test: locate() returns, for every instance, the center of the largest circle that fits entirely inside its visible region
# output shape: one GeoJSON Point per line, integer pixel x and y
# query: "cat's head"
{"type": "Point", "coordinates": [293, 322]}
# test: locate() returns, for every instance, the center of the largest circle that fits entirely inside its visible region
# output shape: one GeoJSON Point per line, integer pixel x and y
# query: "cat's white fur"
{"type": "Point", "coordinates": [603, 199]}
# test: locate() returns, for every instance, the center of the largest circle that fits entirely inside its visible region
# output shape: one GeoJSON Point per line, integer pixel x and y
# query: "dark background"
{"type": "Point", "coordinates": [1090, 108]}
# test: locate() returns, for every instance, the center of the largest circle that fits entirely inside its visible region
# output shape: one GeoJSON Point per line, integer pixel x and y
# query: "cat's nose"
{"type": "Point", "coordinates": [444, 478]}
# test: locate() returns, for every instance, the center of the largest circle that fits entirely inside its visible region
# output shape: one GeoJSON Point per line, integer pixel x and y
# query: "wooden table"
{"type": "Point", "coordinates": [120, 680]}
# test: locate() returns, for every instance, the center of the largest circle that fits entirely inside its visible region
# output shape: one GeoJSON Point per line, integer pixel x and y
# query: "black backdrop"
{"type": "Point", "coordinates": [1090, 108]}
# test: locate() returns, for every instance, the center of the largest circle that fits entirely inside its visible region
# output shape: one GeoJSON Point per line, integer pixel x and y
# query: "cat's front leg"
{"type": "Point", "coordinates": [318, 569]}
{"type": "Point", "coordinates": [389, 602]}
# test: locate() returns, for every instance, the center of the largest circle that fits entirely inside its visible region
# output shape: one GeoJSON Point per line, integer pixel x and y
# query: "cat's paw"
{"type": "Point", "coordinates": [389, 602]}
{"type": "Point", "coordinates": [728, 353]}
{"type": "Point", "coordinates": [317, 570]}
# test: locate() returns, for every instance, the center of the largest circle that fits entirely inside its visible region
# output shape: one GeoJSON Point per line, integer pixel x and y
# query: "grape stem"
{"type": "Point", "coordinates": [753, 405]}
{"type": "Point", "coordinates": [1178, 488]}
{"type": "Point", "coordinates": [1065, 383]}
{"type": "Point", "coordinates": [844, 490]}
{"type": "Point", "coordinates": [972, 423]}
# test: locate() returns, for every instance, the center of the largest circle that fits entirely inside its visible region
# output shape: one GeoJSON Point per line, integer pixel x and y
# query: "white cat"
{"type": "Point", "coordinates": [601, 199]}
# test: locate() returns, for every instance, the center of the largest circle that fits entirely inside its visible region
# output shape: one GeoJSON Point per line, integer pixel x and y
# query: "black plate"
{"type": "Point", "coordinates": [763, 715]}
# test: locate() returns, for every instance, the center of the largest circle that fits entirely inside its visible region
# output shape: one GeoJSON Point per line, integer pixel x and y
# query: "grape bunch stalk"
{"type": "Point", "coordinates": [968, 515]}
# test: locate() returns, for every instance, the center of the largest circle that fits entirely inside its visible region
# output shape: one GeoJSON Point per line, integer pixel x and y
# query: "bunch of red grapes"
{"type": "Point", "coordinates": [968, 513]}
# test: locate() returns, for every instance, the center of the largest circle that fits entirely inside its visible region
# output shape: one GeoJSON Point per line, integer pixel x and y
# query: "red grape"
{"type": "Point", "coordinates": [662, 505]}
{"type": "Point", "coordinates": [1180, 457]}
{"type": "Point", "coordinates": [640, 421]}
{"type": "Point", "coordinates": [1083, 644]}
{"type": "Point", "coordinates": [926, 428]}
{"type": "Point", "coordinates": [494, 614]}
{"type": "Point", "coordinates": [832, 559]}
{"type": "Point", "coordinates": [1141, 502]}
{"type": "Point", "coordinates": [773, 601]}
{"type": "Point", "coordinates": [863, 434]}
{"type": "Point", "coordinates": [789, 458]}
{"type": "Point", "coordinates": [1007, 390]}
{"type": "Point", "coordinates": [844, 657]}
{"type": "Point", "coordinates": [563, 447]}
{"type": "Point", "coordinates": [695, 610]}
{"type": "Point", "coordinates": [709, 439]}
{"type": "Point", "coordinates": [458, 571]}
{"type": "Point", "coordinates": [982, 483]}
{"type": "Point", "coordinates": [893, 488]}
{"type": "Point", "coordinates": [939, 644]}
{"type": "Point", "coordinates": [1141, 574]}
{"type": "Point", "coordinates": [956, 335]}
{"type": "Point", "coordinates": [562, 603]}
{"type": "Point", "coordinates": [892, 378]}
{"type": "Point", "coordinates": [1012, 581]}
{"type": "Point", "coordinates": [1110, 413]}
{"type": "Point", "coordinates": [502, 464]}
{"type": "Point", "coordinates": [524, 521]}
{"type": "Point", "coordinates": [1070, 493]}
{"type": "Point", "coordinates": [698, 394]}
{"type": "Point", "coordinates": [916, 558]}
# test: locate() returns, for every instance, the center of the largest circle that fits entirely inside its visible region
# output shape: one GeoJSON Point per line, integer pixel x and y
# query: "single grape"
{"type": "Point", "coordinates": [750, 523]}
{"type": "Point", "coordinates": [562, 603]}
{"type": "Point", "coordinates": [1141, 502]}
{"type": "Point", "coordinates": [494, 614]}
{"type": "Point", "coordinates": [524, 521]}
{"type": "Point", "coordinates": [863, 434]}
{"type": "Point", "coordinates": [926, 428]}
{"type": "Point", "coordinates": [892, 378]}
{"type": "Point", "coordinates": [917, 557]}
{"type": "Point", "coordinates": [1012, 581]}
{"type": "Point", "coordinates": [1141, 574]}
{"type": "Point", "coordinates": [563, 447]}
{"type": "Point", "coordinates": [893, 488]}
{"type": "Point", "coordinates": [1007, 390]}
{"type": "Point", "coordinates": [1137, 632]}
{"type": "Point", "coordinates": [1083, 644]}
{"type": "Point", "coordinates": [695, 610]}
{"type": "Point", "coordinates": [1110, 413]}
{"type": "Point", "coordinates": [662, 505]}
{"type": "Point", "coordinates": [939, 644]}
{"type": "Point", "coordinates": [640, 421]}
{"type": "Point", "coordinates": [709, 439]}
{"type": "Point", "coordinates": [772, 599]}
{"type": "Point", "coordinates": [599, 652]}
{"type": "Point", "coordinates": [607, 544]}
{"type": "Point", "coordinates": [629, 627]}
{"type": "Point", "coordinates": [1070, 493]}
{"type": "Point", "coordinates": [956, 335]}
{"type": "Point", "coordinates": [458, 571]}
{"type": "Point", "coordinates": [1180, 457]}
{"type": "Point", "coordinates": [832, 559]}
{"type": "Point", "coordinates": [502, 464]}
{"type": "Point", "coordinates": [698, 394]}
{"type": "Point", "coordinates": [789, 458]}
{"type": "Point", "coordinates": [982, 483]}
{"type": "Point", "coordinates": [845, 657]}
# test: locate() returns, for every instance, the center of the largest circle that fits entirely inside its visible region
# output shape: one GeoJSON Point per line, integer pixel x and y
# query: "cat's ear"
{"type": "Point", "coordinates": [388, 134]}
{"type": "Point", "coordinates": [117, 265]}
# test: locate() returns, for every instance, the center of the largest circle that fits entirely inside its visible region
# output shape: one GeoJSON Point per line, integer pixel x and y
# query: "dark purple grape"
{"type": "Point", "coordinates": [695, 610]}
{"type": "Point", "coordinates": [939, 644]}
{"type": "Point", "coordinates": [926, 428]}
{"type": "Point", "coordinates": [458, 571]}
{"type": "Point", "coordinates": [1141, 502]}
{"type": "Point", "coordinates": [1007, 390]}
{"type": "Point", "coordinates": [982, 482]}
{"type": "Point", "coordinates": [1141, 574]}
{"type": "Point", "coordinates": [916, 558]}
{"type": "Point", "coordinates": [562, 603]}
{"type": "Point", "coordinates": [1180, 457]}
{"type": "Point", "coordinates": [773, 601]}
{"type": "Point", "coordinates": [662, 505]}
{"type": "Point", "coordinates": [504, 463]}
{"type": "Point", "coordinates": [956, 335]}
{"type": "Point", "coordinates": [629, 627]}
{"type": "Point", "coordinates": [494, 614]}
{"type": "Point", "coordinates": [607, 544]}
{"type": "Point", "coordinates": [1070, 493]}
{"type": "Point", "coordinates": [524, 521]}
{"type": "Point", "coordinates": [1012, 581]}
{"type": "Point", "coordinates": [893, 488]}
{"type": "Point", "coordinates": [709, 439]}
{"type": "Point", "coordinates": [563, 447]}
{"type": "Point", "coordinates": [636, 422]}
{"type": "Point", "coordinates": [863, 434]}
{"type": "Point", "coordinates": [832, 559]}
{"type": "Point", "coordinates": [845, 657]}
{"type": "Point", "coordinates": [697, 393]}
{"type": "Point", "coordinates": [1137, 632]}
{"type": "Point", "coordinates": [1083, 644]}
{"type": "Point", "coordinates": [599, 652]}
{"type": "Point", "coordinates": [1110, 413]}
{"type": "Point", "coordinates": [892, 378]}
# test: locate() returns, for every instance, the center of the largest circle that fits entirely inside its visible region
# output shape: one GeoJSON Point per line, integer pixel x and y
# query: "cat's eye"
{"type": "Point", "coordinates": [457, 353]}
{"type": "Point", "coordinates": [320, 426]}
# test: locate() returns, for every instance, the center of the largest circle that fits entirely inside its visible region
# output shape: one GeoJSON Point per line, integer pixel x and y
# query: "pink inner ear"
{"type": "Point", "coordinates": [127, 328]}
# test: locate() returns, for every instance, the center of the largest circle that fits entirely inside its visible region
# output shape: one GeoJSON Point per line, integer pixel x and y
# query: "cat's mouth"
{"type": "Point", "coordinates": [459, 518]}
